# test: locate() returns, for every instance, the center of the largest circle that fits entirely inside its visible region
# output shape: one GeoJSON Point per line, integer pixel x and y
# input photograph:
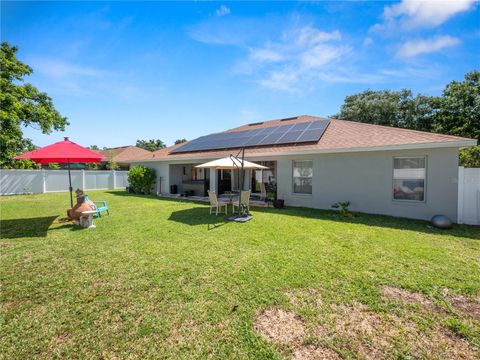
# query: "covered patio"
{"type": "Point", "coordinates": [188, 182]}
{"type": "Point", "coordinates": [230, 197]}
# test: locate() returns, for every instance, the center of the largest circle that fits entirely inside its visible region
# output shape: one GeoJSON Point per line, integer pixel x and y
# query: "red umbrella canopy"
{"type": "Point", "coordinates": [62, 152]}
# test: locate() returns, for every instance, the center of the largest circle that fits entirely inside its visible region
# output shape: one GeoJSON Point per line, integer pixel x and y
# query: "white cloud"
{"type": "Point", "coordinates": [298, 57]}
{"type": "Point", "coordinates": [321, 55]}
{"type": "Point", "coordinates": [266, 55]}
{"type": "Point", "coordinates": [312, 36]}
{"type": "Point", "coordinates": [282, 79]}
{"type": "Point", "coordinates": [68, 78]}
{"type": "Point", "coordinates": [367, 41]}
{"type": "Point", "coordinates": [61, 69]}
{"type": "Point", "coordinates": [411, 14]}
{"type": "Point", "coordinates": [288, 54]}
{"type": "Point", "coordinates": [416, 47]}
{"type": "Point", "coordinates": [223, 10]}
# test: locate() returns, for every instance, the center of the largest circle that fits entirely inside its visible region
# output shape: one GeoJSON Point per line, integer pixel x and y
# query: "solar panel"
{"type": "Point", "coordinates": [310, 131]}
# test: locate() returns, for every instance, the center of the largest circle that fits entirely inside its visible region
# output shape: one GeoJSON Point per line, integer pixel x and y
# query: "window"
{"type": "Point", "coordinates": [196, 174]}
{"type": "Point", "coordinates": [302, 176]}
{"type": "Point", "coordinates": [409, 178]}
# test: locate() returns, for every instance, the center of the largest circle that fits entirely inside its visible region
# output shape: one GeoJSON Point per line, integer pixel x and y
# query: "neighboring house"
{"type": "Point", "coordinates": [124, 155]}
{"type": "Point", "coordinates": [379, 169]}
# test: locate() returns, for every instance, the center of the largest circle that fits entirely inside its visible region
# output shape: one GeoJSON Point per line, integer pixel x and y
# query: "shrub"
{"type": "Point", "coordinates": [470, 157]}
{"type": "Point", "coordinates": [342, 207]}
{"type": "Point", "coordinates": [141, 179]}
{"type": "Point", "coordinates": [112, 165]}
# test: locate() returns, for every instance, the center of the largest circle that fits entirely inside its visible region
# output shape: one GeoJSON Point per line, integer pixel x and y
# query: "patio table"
{"type": "Point", "coordinates": [86, 220]}
{"type": "Point", "coordinates": [231, 197]}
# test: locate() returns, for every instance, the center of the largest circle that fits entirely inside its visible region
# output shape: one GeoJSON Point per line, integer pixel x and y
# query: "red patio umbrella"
{"type": "Point", "coordinates": [64, 151]}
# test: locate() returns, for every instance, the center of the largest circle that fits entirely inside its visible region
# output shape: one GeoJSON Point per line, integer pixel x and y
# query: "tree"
{"type": "Point", "coordinates": [459, 108]}
{"type": "Point", "coordinates": [94, 148]}
{"type": "Point", "coordinates": [390, 108]}
{"type": "Point", "coordinates": [92, 166]}
{"type": "Point", "coordinates": [459, 114]}
{"type": "Point", "coordinates": [180, 141]}
{"type": "Point", "coordinates": [151, 145]}
{"type": "Point", "coordinates": [21, 105]}
{"type": "Point", "coordinates": [53, 166]}
{"type": "Point", "coordinates": [112, 165]}
{"type": "Point", "coordinates": [470, 157]}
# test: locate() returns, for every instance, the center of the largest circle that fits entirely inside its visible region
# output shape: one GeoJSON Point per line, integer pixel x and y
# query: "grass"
{"type": "Point", "coordinates": [162, 278]}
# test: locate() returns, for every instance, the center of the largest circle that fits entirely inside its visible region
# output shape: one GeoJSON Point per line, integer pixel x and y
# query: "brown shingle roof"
{"type": "Point", "coordinates": [341, 135]}
{"type": "Point", "coordinates": [125, 154]}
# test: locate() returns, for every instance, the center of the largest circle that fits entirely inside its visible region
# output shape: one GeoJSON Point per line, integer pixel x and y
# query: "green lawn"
{"type": "Point", "coordinates": [164, 279]}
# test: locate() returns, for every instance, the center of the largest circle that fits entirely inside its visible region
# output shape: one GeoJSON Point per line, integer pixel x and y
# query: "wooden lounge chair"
{"type": "Point", "coordinates": [216, 204]}
{"type": "Point", "coordinates": [244, 200]}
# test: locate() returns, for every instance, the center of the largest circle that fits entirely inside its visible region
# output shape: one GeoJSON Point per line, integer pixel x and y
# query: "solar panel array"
{"type": "Point", "coordinates": [310, 131]}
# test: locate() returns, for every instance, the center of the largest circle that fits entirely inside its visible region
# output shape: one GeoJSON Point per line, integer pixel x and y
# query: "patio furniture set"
{"type": "Point", "coordinates": [222, 202]}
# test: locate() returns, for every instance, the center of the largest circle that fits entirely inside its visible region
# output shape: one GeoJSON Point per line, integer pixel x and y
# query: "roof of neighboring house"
{"type": "Point", "coordinates": [340, 136]}
{"type": "Point", "coordinates": [125, 154]}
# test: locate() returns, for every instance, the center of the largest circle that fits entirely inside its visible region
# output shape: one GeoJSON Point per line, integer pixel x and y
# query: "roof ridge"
{"type": "Point", "coordinates": [266, 122]}
{"type": "Point", "coordinates": [422, 132]}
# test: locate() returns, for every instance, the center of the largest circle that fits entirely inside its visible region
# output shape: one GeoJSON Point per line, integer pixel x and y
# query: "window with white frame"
{"type": "Point", "coordinates": [302, 176]}
{"type": "Point", "coordinates": [409, 178]}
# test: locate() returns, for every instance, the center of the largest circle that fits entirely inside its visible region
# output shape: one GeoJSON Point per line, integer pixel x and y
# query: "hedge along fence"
{"type": "Point", "coordinates": [14, 182]}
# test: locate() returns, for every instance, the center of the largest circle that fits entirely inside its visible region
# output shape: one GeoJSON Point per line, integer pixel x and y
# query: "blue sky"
{"type": "Point", "coordinates": [122, 71]}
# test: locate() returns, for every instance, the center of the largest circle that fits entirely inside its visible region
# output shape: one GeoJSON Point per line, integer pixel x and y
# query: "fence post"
{"type": "Point", "coordinates": [44, 181]}
{"type": "Point", "coordinates": [461, 189]}
{"type": "Point", "coordinates": [83, 179]}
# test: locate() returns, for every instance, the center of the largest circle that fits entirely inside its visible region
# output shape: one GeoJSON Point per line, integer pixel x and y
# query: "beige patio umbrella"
{"type": "Point", "coordinates": [231, 163]}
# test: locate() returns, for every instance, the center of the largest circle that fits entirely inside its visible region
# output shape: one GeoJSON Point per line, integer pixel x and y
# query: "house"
{"type": "Point", "coordinates": [315, 162]}
{"type": "Point", "coordinates": [124, 155]}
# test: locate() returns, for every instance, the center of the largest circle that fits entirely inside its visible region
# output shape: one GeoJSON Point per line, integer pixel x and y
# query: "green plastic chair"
{"type": "Point", "coordinates": [99, 207]}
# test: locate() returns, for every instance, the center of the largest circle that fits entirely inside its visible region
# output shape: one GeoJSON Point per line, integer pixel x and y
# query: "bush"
{"type": "Point", "coordinates": [141, 179]}
{"type": "Point", "coordinates": [112, 165]}
{"type": "Point", "coordinates": [342, 207]}
{"type": "Point", "coordinates": [470, 157]}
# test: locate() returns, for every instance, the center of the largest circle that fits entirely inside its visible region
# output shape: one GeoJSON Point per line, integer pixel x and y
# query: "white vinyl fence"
{"type": "Point", "coordinates": [42, 181]}
{"type": "Point", "coordinates": [468, 196]}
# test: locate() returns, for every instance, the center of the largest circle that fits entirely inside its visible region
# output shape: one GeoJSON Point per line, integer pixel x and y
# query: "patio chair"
{"type": "Point", "coordinates": [98, 206]}
{"type": "Point", "coordinates": [244, 200]}
{"type": "Point", "coordinates": [216, 204]}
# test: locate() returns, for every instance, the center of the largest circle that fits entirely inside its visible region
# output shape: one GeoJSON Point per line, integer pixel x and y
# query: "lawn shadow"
{"type": "Point", "coordinates": [198, 216]}
{"type": "Point", "coordinates": [127, 194]}
{"type": "Point", "coordinates": [465, 231]}
{"type": "Point", "coordinates": [27, 227]}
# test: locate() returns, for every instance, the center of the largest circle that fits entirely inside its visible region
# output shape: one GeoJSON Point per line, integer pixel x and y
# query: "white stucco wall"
{"type": "Point", "coordinates": [365, 179]}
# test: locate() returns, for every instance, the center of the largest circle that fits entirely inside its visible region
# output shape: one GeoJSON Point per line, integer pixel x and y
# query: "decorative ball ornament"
{"type": "Point", "coordinates": [441, 222]}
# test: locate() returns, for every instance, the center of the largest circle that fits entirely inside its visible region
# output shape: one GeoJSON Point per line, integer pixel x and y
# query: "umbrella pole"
{"type": "Point", "coordinates": [242, 179]}
{"type": "Point", "coordinates": [70, 185]}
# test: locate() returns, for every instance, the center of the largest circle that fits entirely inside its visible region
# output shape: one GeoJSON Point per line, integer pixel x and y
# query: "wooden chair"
{"type": "Point", "coordinates": [244, 200]}
{"type": "Point", "coordinates": [216, 204]}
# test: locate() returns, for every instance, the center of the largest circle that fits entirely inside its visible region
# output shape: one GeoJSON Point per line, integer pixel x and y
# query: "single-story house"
{"type": "Point", "coordinates": [124, 155]}
{"type": "Point", "coordinates": [315, 162]}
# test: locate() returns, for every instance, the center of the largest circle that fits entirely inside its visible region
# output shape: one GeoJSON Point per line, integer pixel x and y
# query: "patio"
{"type": "Point", "coordinates": [253, 201]}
